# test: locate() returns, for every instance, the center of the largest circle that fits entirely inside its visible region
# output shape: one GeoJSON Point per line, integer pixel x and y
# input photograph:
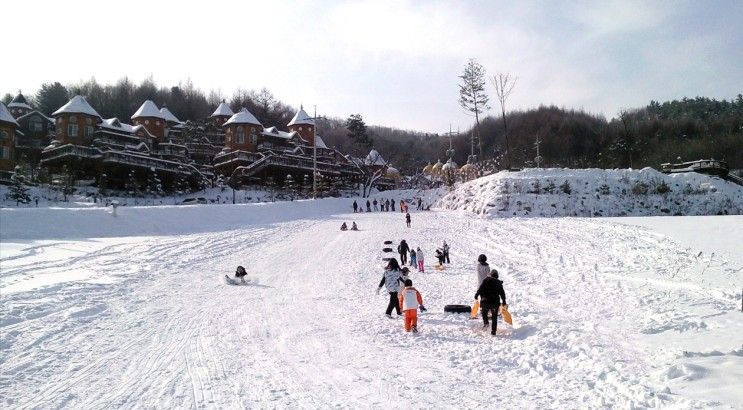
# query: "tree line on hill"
{"type": "Point", "coordinates": [685, 130]}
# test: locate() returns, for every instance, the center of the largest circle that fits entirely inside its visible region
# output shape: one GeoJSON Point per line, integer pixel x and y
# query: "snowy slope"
{"type": "Point", "coordinates": [595, 192]}
{"type": "Point", "coordinates": [104, 312]}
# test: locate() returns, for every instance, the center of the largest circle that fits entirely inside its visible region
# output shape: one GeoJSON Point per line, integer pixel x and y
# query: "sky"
{"type": "Point", "coordinates": [394, 62]}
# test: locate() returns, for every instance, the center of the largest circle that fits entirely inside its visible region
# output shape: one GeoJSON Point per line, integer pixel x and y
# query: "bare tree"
{"type": "Point", "coordinates": [504, 83]}
{"type": "Point", "coordinates": [370, 174]}
{"type": "Point", "coordinates": [472, 95]}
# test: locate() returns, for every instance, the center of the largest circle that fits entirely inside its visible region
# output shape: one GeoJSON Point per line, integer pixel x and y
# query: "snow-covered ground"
{"type": "Point", "coordinates": [130, 311]}
{"type": "Point", "coordinates": [595, 192]}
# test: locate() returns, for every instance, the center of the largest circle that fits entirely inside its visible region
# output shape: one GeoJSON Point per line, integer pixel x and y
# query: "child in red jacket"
{"type": "Point", "coordinates": [410, 301]}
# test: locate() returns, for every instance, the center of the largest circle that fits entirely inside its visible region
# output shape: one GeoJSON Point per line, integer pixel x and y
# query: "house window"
{"type": "Point", "coordinates": [240, 136]}
{"type": "Point", "coordinates": [300, 128]}
{"type": "Point", "coordinates": [253, 138]}
{"type": "Point", "coordinates": [88, 121]}
{"type": "Point", "coordinates": [88, 131]}
{"type": "Point", "coordinates": [73, 119]}
{"type": "Point", "coordinates": [4, 153]}
{"type": "Point", "coordinates": [34, 124]}
{"type": "Point", "coordinates": [147, 122]}
{"type": "Point", "coordinates": [4, 135]}
{"type": "Point", "coordinates": [157, 123]}
{"type": "Point", "coordinates": [72, 130]}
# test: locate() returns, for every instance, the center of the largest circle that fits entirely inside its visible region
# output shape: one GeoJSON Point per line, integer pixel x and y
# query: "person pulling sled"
{"type": "Point", "coordinates": [492, 296]}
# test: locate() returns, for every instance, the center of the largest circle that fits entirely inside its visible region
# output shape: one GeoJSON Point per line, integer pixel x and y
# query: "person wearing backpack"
{"type": "Point", "coordinates": [391, 280]}
{"type": "Point", "coordinates": [492, 296]}
{"type": "Point", "coordinates": [413, 259]}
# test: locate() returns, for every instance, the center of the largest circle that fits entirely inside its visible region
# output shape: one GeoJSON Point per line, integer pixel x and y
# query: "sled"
{"type": "Point", "coordinates": [386, 249]}
{"type": "Point", "coordinates": [475, 309]}
{"type": "Point", "coordinates": [388, 242]}
{"type": "Point", "coordinates": [456, 308]}
{"type": "Point", "coordinates": [439, 267]}
{"type": "Point", "coordinates": [236, 282]}
{"type": "Point", "coordinates": [506, 315]}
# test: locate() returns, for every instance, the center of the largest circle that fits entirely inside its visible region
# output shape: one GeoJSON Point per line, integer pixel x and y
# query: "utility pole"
{"type": "Point", "coordinates": [314, 154]}
{"type": "Point", "coordinates": [450, 151]}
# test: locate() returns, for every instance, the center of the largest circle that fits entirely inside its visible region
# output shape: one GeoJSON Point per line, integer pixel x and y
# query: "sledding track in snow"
{"type": "Point", "coordinates": [155, 326]}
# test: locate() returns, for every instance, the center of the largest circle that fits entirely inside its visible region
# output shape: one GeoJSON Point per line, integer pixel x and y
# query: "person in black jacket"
{"type": "Point", "coordinates": [403, 250]}
{"type": "Point", "coordinates": [491, 294]}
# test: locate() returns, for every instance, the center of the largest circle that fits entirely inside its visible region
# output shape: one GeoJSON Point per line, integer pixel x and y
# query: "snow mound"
{"type": "Point", "coordinates": [595, 192]}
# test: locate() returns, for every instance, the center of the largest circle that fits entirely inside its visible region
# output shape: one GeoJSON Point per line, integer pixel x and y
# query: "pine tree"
{"type": "Point", "coordinates": [565, 187]}
{"type": "Point", "coordinates": [103, 184]}
{"type": "Point", "coordinates": [68, 183]}
{"type": "Point", "coordinates": [306, 185]}
{"type": "Point", "coordinates": [51, 96]}
{"type": "Point", "coordinates": [18, 191]}
{"type": "Point", "coordinates": [472, 96]}
{"type": "Point", "coordinates": [291, 185]}
{"type": "Point", "coordinates": [154, 185]}
{"type": "Point", "coordinates": [322, 186]}
{"type": "Point", "coordinates": [357, 131]}
{"type": "Point", "coordinates": [270, 184]}
{"type": "Point", "coordinates": [132, 185]}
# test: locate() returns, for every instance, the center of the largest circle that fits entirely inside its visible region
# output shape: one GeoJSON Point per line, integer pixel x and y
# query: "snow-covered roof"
{"type": "Point", "coordinates": [77, 105]}
{"type": "Point", "coordinates": [450, 165]}
{"type": "Point", "coordinates": [275, 132]}
{"type": "Point", "coordinates": [5, 115]}
{"type": "Point", "coordinates": [301, 117]}
{"type": "Point", "coordinates": [222, 110]}
{"type": "Point", "coordinates": [115, 124]}
{"type": "Point", "coordinates": [148, 109]}
{"type": "Point", "coordinates": [169, 115]}
{"type": "Point", "coordinates": [374, 158]}
{"type": "Point", "coordinates": [28, 114]}
{"type": "Point", "coordinates": [19, 102]}
{"type": "Point", "coordinates": [319, 142]}
{"type": "Point", "coordinates": [243, 117]}
{"type": "Point", "coordinates": [137, 128]}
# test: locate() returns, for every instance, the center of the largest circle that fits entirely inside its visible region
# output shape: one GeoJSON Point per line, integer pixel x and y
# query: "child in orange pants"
{"type": "Point", "coordinates": [410, 301]}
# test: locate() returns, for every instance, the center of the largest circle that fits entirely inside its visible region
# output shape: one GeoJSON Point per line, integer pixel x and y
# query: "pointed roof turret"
{"type": "Point", "coordinates": [374, 158]}
{"type": "Point", "coordinates": [169, 115]}
{"type": "Point", "coordinates": [77, 105]}
{"type": "Point", "coordinates": [222, 110]}
{"type": "Point", "coordinates": [148, 109]}
{"type": "Point", "coordinates": [243, 117]}
{"type": "Point", "coordinates": [301, 117]}
{"type": "Point", "coordinates": [5, 115]}
{"type": "Point", "coordinates": [19, 102]}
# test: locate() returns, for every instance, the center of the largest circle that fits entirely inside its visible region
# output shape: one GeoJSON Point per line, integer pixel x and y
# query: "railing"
{"type": "Point", "coordinates": [703, 166]}
{"type": "Point", "coordinates": [242, 156]}
{"type": "Point", "coordinates": [148, 163]}
{"type": "Point", "coordinates": [70, 150]}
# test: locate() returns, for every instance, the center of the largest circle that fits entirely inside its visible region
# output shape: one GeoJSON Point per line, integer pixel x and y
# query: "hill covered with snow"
{"type": "Point", "coordinates": [595, 192]}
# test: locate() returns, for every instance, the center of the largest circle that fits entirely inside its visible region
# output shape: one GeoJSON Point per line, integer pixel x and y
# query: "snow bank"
{"type": "Point", "coordinates": [595, 192]}
{"type": "Point", "coordinates": [23, 223]}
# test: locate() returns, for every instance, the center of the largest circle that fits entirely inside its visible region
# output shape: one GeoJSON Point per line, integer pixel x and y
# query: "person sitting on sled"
{"type": "Point", "coordinates": [354, 227]}
{"type": "Point", "coordinates": [240, 274]}
{"type": "Point", "coordinates": [344, 227]}
{"type": "Point", "coordinates": [410, 301]}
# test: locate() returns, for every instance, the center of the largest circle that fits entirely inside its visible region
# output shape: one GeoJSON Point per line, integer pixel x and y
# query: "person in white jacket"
{"type": "Point", "coordinates": [391, 280]}
{"type": "Point", "coordinates": [483, 269]}
{"type": "Point", "coordinates": [419, 257]}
